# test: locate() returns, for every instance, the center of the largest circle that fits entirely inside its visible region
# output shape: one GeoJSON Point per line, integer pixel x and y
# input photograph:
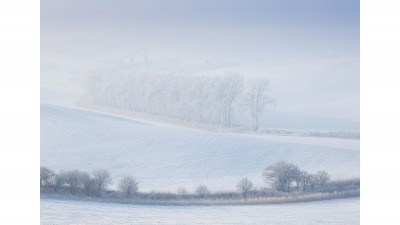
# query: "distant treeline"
{"type": "Point", "coordinates": [286, 183]}
{"type": "Point", "coordinates": [210, 99]}
{"type": "Point", "coordinates": [329, 134]}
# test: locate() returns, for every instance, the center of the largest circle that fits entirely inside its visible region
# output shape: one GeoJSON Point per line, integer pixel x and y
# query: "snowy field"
{"type": "Point", "coordinates": [164, 157]}
{"type": "Point", "coordinates": [332, 212]}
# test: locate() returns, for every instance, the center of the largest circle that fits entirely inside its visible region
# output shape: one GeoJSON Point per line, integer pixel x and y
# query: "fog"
{"type": "Point", "coordinates": [308, 50]}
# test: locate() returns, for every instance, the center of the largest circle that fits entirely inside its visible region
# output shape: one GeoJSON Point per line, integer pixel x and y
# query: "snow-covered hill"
{"type": "Point", "coordinates": [164, 157]}
{"type": "Point", "coordinates": [332, 212]}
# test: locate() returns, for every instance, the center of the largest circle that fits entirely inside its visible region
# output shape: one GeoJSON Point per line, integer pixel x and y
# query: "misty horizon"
{"type": "Point", "coordinates": [309, 52]}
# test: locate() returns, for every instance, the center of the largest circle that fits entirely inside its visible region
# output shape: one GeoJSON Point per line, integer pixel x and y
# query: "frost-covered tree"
{"type": "Point", "coordinates": [322, 177]}
{"type": "Point", "coordinates": [73, 179]}
{"type": "Point", "coordinates": [231, 87]}
{"type": "Point", "coordinates": [281, 175]}
{"type": "Point", "coordinates": [297, 177]}
{"type": "Point", "coordinates": [244, 186]}
{"type": "Point", "coordinates": [305, 180]}
{"type": "Point", "coordinates": [127, 186]}
{"type": "Point", "coordinates": [46, 175]}
{"type": "Point", "coordinates": [202, 191]}
{"type": "Point", "coordinates": [313, 180]}
{"type": "Point", "coordinates": [89, 187]}
{"type": "Point", "coordinates": [255, 99]}
{"type": "Point", "coordinates": [59, 181]}
{"type": "Point", "coordinates": [101, 178]}
{"type": "Point", "coordinates": [181, 192]}
{"type": "Point", "coordinates": [205, 99]}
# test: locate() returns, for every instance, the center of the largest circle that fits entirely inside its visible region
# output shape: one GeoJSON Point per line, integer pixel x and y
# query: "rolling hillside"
{"type": "Point", "coordinates": [164, 157]}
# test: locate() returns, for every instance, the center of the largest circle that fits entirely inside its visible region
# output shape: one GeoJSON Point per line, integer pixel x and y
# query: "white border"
{"type": "Point", "coordinates": [20, 121]}
{"type": "Point", "coordinates": [20, 111]}
{"type": "Point", "coordinates": [380, 111]}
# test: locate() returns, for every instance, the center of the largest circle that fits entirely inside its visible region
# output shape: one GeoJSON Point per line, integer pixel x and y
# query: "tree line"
{"type": "Point", "coordinates": [282, 178]}
{"type": "Point", "coordinates": [91, 184]}
{"type": "Point", "coordinates": [204, 99]}
{"type": "Point", "coordinates": [285, 177]}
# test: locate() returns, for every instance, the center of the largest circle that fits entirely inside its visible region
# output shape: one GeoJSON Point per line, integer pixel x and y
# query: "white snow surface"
{"type": "Point", "coordinates": [330, 212]}
{"type": "Point", "coordinates": [165, 157]}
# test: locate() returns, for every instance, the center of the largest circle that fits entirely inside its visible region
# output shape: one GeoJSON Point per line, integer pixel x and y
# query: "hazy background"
{"type": "Point", "coordinates": [309, 50]}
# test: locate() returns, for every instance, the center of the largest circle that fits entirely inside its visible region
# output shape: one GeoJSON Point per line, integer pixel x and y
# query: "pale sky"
{"type": "Point", "coordinates": [308, 49]}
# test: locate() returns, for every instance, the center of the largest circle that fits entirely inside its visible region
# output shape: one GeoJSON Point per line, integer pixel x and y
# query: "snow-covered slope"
{"type": "Point", "coordinates": [164, 157]}
{"type": "Point", "coordinates": [332, 212]}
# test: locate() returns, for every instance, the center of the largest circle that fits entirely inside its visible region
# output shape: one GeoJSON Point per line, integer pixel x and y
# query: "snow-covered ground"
{"type": "Point", "coordinates": [164, 157]}
{"type": "Point", "coordinates": [331, 212]}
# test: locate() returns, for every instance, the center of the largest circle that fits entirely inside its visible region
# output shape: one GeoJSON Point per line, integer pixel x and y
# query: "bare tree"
{"type": "Point", "coordinates": [89, 187]}
{"type": "Point", "coordinates": [281, 175]}
{"type": "Point", "coordinates": [322, 177]}
{"type": "Point", "coordinates": [297, 177]}
{"type": "Point", "coordinates": [181, 192]}
{"type": "Point", "coordinates": [128, 186]}
{"type": "Point", "coordinates": [244, 186]}
{"type": "Point", "coordinates": [255, 100]}
{"type": "Point", "coordinates": [46, 175]}
{"type": "Point", "coordinates": [202, 191]}
{"type": "Point", "coordinates": [232, 86]}
{"type": "Point", "coordinates": [313, 180]}
{"type": "Point", "coordinates": [59, 181]}
{"type": "Point", "coordinates": [101, 178]}
{"type": "Point", "coordinates": [305, 180]}
{"type": "Point", "coordinates": [73, 180]}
